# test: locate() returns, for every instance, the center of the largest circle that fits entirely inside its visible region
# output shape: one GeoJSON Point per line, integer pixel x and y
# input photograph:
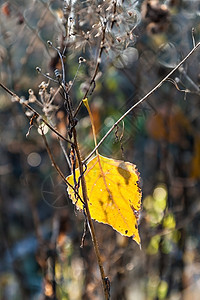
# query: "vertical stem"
{"type": "Point", "coordinates": [91, 225]}
{"type": "Point", "coordinates": [92, 81]}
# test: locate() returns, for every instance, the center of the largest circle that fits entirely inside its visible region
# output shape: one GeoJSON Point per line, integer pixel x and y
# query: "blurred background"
{"type": "Point", "coordinates": [40, 229]}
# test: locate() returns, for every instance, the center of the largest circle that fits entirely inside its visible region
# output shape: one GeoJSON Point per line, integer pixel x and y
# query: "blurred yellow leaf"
{"type": "Point", "coordinates": [114, 194]}
{"type": "Point", "coordinates": [169, 125]}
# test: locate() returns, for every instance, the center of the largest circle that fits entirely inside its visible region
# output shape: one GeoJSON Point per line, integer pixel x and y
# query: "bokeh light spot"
{"type": "Point", "coordinates": [34, 159]}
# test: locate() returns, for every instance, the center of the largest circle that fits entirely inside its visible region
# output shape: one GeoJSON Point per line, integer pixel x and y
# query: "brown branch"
{"type": "Point", "coordinates": [92, 81]}
{"type": "Point", "coordinates": [90, 223]}
{"type": "Point", "coordinates": [141, 100]}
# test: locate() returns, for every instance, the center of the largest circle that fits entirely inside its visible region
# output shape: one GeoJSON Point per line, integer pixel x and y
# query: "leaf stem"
{"type": "Point", "coordinates": [85, 101]}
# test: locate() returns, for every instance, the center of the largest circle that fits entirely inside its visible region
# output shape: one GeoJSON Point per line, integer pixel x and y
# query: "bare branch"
{"type": "Point", "coordinates": [92, 81]}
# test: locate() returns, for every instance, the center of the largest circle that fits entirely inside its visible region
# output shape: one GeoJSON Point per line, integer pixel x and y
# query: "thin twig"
{"type": "Point", "coordinates": [84, 230]}
{"type": "Point", "coordinates": [75, 76]}
{"type": "Point", "coordinates": [61, 59]}
{"type": "Point", "coordinates": [46, 76]}
{"type": "Point", "coordinates": [195, 86]}
{"type": "Point", "coordinates": [141, 100]}
{"type": "Point", "coordinates": [65, 153]}
{"type": "Point", "coordinates": [92, 81]}
{"type": "Point", "coordinates": [114, 13]}
{"type": "Point", "coordinates": [193, 38]}
{"type": "Point", "coordinates": [35, 112]}
{"type": "Point", "coordinates": [56, 92]}
{"type": "Point", "coordinates": [58, 169]}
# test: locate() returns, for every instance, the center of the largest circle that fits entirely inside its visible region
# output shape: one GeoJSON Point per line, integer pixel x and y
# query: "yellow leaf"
{"type": "Point", "coordinates": [114, 194]}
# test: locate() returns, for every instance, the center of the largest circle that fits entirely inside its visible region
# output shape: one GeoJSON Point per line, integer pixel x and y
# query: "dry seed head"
{"type": "Point", "coordinates": [22, 100]}
{"type": "Point", "coordinates": [38, 69]}
{"type": "Point", "coordinates": [43, 85]}
{"type": "Point", "coordinates": [49, 43]}
{"type": "Point", "coordinates": [29, 113]}
{"type": "Point", "coordinates": [52, 90]}
{"type": "Point", "coordinates": [30, 91]}
{"type": "Point", "coordinates": [81, 60]}
{"type": "Point", "coordinates": [14, 99]}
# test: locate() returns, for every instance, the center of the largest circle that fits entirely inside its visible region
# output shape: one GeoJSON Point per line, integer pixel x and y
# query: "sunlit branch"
{"type": "Point", "coordinates": [142, 100]}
